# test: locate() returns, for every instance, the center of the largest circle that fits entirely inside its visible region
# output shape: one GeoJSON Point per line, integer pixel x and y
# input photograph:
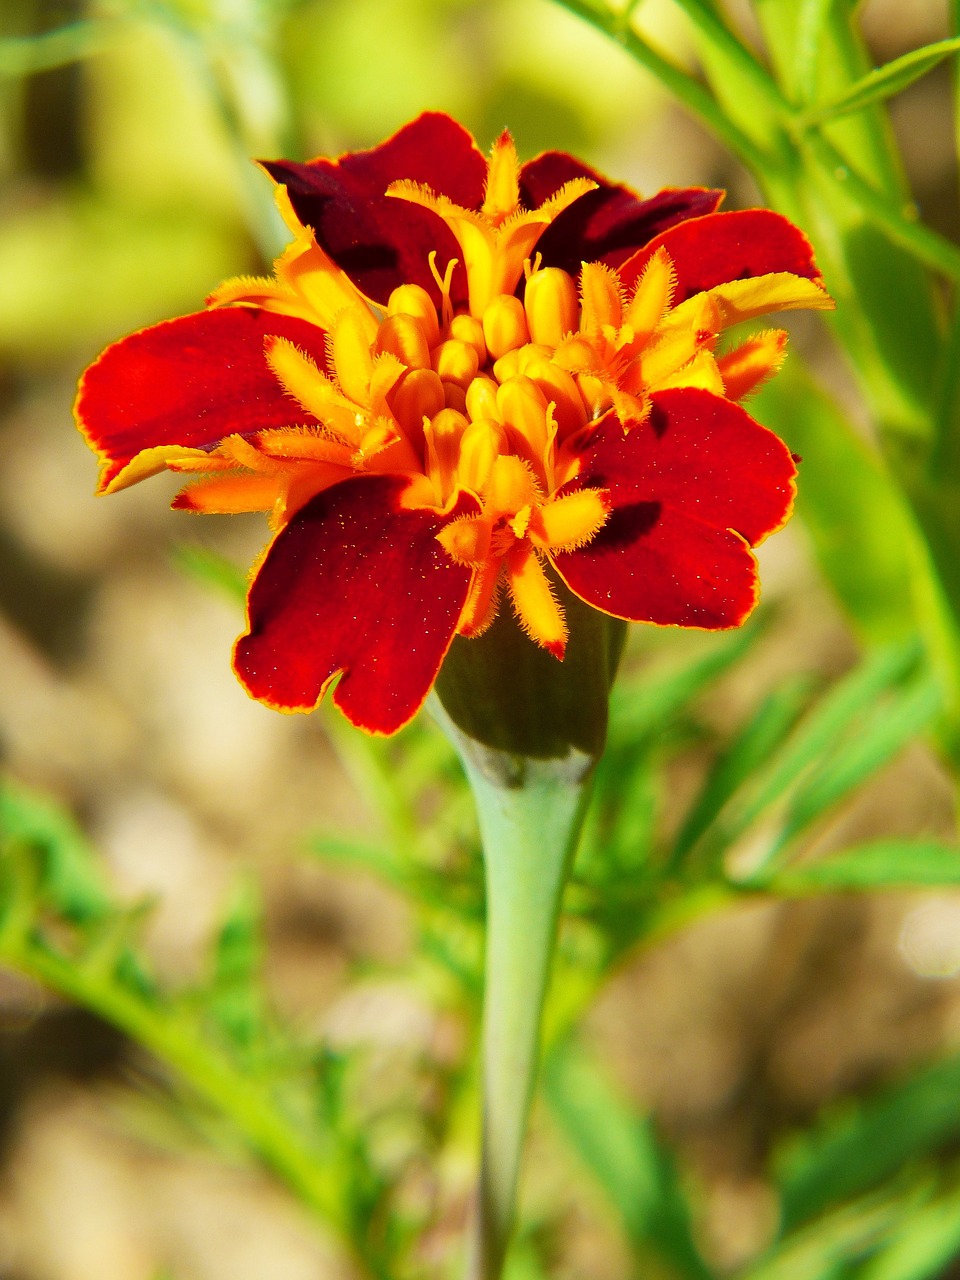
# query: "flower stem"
{"type": "Point", "coordinates": [529, 731]}
{"type": "Point", "coordinates": [531, 813]}
{"type": "Point", "coordinates": [529, 835]}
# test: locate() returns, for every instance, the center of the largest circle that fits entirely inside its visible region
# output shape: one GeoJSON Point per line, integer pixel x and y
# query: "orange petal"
{"type": "Point", "coordinates": [745, 367]}
{"type": "Point", "coordinates": [533, 599]}
{"type": "Point", "coordinates": [229, 495]}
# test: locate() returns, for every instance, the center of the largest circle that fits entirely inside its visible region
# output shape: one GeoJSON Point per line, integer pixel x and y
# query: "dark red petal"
{"type": "Point", "coordinates": [380, 241]}
{"type": "Point", "coordinates": [690, 488]}
{"type": "Point", "coordinates": [189, 382]}
{"type": "Point", "coordinates": [355, 584]}
{"type": "Point", "coordinates": [722, 247]}
{"type": "Point", "coordinates": [609, 224]}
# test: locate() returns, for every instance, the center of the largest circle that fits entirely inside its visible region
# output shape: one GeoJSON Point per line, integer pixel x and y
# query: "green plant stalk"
{"type": "Point", "coordinates": [529, 826]}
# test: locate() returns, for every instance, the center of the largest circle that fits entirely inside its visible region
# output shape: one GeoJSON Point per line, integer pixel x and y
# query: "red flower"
{"type": "Point", "coordinates": [463, 371]}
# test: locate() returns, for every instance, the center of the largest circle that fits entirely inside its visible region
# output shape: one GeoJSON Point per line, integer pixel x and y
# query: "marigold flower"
{"type": "Point", "coordinates": [464, 377]}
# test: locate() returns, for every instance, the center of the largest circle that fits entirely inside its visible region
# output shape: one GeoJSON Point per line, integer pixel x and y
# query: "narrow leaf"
{"type": "Point", "coordinates": [622, 1151]}
{"type": "Point", "coordinates": [643, 706]}
{"type": "Point", "coordinates": [820, 729]}
{"type": "Point", "coordinates": [857, 1151]}
{"type": "Point", "coordinates": [871, 748]}
{"type": "Point", "coordinates": [752, 747]}
{"type": "Point", "coordinates": [26, 55]}
{"type": "Point", "coordinates": [926, 1240]}
{"type": "Point", "coordinates": [883, 864]}
{"type": "Point", "coordinates": [211, 569]}
{"type": "Point", "coordinates": [882, 83]}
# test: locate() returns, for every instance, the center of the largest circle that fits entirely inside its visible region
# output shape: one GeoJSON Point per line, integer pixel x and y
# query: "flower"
{"type": "Point", "coordinates": [467, 376]}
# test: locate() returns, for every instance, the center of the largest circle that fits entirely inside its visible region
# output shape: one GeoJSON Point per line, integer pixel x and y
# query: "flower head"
{"type": "Point", "coordinates": [465, 379]}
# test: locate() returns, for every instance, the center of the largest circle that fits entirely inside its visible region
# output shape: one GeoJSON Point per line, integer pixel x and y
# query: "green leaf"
{"type": "Point", "coordinates": [750, 749]}
{"type": "Point", "coordinates": [881, 83]}
{"type": "Point", "coordinates": [834, 1245]}
{"type": "Point", "coordinates": [642, 707]}
{"type": "Point", "coordinates": [863, 534]}
{"type": "Point", "coordinates": [925, 1241]}
{"type": "Point", "coordinates": [67, 874]}
{"type": "Point", "coordinates": [343, 851]}
{"type": "Point", "coordinates": [856, 1150]}
{"type": "Point", "coordinates": [622, 1151]}
{"type": "Point", "coordinates": [211, 569]}
{"type": "Point", "coordinates": [236, 998]}
{"type": "Point", "coordinates": [873, 745]}
{"type": "Point", "coordinates": [882, 864]}
{"type": "Point", "coordinates": [834, 715]}
{"type": "Point", "coordinates": [26, 55]}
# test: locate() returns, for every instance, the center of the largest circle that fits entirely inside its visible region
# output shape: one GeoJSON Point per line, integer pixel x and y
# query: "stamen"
{"type": "Point", "coordinates": [403, 336]}
{"type": "Point", "coordinates": [455, 362]}
{"type": "Point", "coordinates": [535, 604]}
{"type": "Point", "coordinates": [745, 367]}
{"type": "Point", "coordinates": [350, 347]}
{"type": "Point", "coordinates": [412, 300]}
{"type": "Point", "coordinates": [551, 305]}
{"type": "Point", "coordinates": [442, 435]}
{"type": "Point", "coordinates": [417, 396]}
{"type": "Point", "coordinates": [480, 446]}
{"type": "Point", "coordinates": [481, 399]}
{"type": "Point", "coordinates": [561, 391]}
{"type": "Point", "coordinates": [468, 329]}
{"type": "Point", "coordinates": [523, 407]}
{"type": "Point", "coordinates": [653, 295]}
{"type": "Point", "coordinates": [504, 325]}
{"type": "Point", "coordinates": [602, 297]}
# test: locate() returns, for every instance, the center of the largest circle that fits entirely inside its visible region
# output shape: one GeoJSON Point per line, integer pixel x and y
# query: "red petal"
{"type": "Point", "coordinates": [727, 246]}
{"type": "Point", "coordinates": [690, 488]}
{"type": "Point", "coordinates": [608, 224]}
{"type": "Point", "coordinates": [189, 382]}
{"type": "Point", "coordinates": [380, 241]}
{"type": "Point", "coordinates": [357, 584]}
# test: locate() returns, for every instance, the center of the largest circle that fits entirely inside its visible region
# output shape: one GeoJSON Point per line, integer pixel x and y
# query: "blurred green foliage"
{"type": "Point", "coordinates": [126, 131]}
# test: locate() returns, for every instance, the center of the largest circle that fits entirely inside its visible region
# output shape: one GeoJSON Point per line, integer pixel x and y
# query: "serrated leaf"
{"type": "Point", "coordinates": [882, 864]}
{"type": "Point", "coordinates": [67, 873]}
{"type": "Point", "coordinates": [881, 83]}
{"type": "Point", "coordinates": [236, 997]}
{"type": "Point", "coordinates": [856, 1151]}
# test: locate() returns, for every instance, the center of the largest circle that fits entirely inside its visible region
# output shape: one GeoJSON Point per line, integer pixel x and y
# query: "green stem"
{"type": "Point", "coordinates": [529, 824]}
{"type": "Point", "coordinates": [684, 87]}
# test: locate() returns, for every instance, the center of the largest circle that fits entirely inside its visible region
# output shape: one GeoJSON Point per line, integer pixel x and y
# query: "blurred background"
{"type": "Point", "coordinates": [126, 194]}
